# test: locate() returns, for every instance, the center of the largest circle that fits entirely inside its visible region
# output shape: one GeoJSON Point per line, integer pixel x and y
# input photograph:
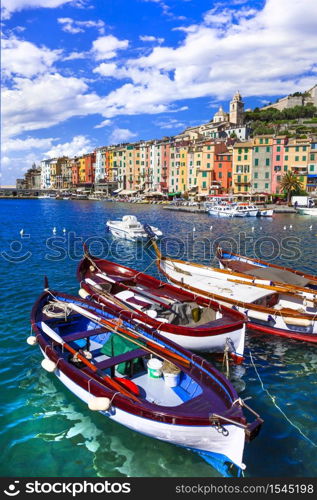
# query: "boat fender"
{"type": "Point", "coordinates": [48, 365]}
{"type": "Point", "coordinates": [99, 404]}
{"type": "Point", "coordinates": [31, 340]}
{"type": "Point", "coordinates": [92, 269]}
{"type": "Point", "coordinates": [258, 315]}
{"type": "Point", "coordinates": [83, 294]}
{"type": "Point", "coordinates": [297, 321]}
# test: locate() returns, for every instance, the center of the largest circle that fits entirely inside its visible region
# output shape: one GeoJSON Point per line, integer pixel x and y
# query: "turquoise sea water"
{"type": "Point", "coordinates": [46, 431]}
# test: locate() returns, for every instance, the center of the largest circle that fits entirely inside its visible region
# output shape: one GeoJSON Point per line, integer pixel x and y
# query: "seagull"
{"type": "Point", "coordinates": [194, 229]}
{"type": "Point", "coordinates": [64, 230]}
{"type": "Point", "coordinates": [260, 228]}
{"type": "Point", "coordinates": [310, 227]}
{"type": "Point", "coordinates": [54, 230]}
{"type": "Point", "coordinates": [252, 228]}
{"type": "Point", "coordinates": [22, 232]}
{"type": "Point", "coordinates": [210, 228]}
{"type": "Point", "coordinates": [284, 228]}
{"type": "Point", "coordinates": [291, 227]}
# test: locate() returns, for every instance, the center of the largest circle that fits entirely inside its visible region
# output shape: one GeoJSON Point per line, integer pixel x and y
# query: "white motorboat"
{"type": "Point", "coordinates": [221, 210]}
{"type": "Point", "coordinates": [307, 211]}
{"type": "Point", "coordinates": [266, 212]}
{"type": "Point", "coordinates": [130, 228]}
{"type": "Point", "coordinates": [245, 210]}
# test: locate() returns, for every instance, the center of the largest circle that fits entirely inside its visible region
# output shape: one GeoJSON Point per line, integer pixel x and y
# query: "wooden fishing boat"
{"type": "Point", "coordinates": [268, 310]}
{"type": "Point", "coordinates": [201, 412]}
{"type": "Point", "coordinates": [194, 322]}
{"type": "Point", "coordinates": [256, 268]}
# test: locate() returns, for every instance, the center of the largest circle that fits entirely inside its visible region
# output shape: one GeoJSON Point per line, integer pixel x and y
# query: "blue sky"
{"type": "Point", "coordinates": [77, 74]}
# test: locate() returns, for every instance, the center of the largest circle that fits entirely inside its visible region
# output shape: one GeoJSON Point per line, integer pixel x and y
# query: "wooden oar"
{"type": "Point", "coordinates": [115, 326]}
{"type": "Point", "coordinates": [51, 333]}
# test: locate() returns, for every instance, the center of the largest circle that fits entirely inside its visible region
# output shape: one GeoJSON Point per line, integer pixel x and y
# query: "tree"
{"type": "Point", "coordinates": [290, 183]}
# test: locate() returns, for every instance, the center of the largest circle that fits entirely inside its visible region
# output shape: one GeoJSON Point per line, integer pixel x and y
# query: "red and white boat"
{"type": "Point", "coordinates": [194, 322]}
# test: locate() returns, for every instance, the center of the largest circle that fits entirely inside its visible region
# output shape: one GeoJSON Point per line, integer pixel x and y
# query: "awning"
{"type": "Point", "coordinates": [117, 191]}
{"type": "Point", "coordinates": [128, 191]}
{"type": "Point", "coordinates": [175, 194]}
{"type": "Point", "coordinates": [155, 193]}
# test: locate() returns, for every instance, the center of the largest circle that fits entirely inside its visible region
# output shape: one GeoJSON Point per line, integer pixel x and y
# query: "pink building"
{"type": "Point", "coordinates": [279, 162]}
{"type": "Point", "coordinates": [165, 166]}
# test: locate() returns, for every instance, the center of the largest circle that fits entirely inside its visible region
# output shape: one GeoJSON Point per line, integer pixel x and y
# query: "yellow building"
{"type": "Point", "coordinates": [296, 158]}
{"type": "Point", "coordinates": [242, 167]}
{"type": "Point", "coordinates": [82, 169]}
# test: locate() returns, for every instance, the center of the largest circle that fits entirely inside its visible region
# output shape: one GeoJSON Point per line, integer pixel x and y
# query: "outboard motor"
{"type": "Point", "coordinates": [149, 231]}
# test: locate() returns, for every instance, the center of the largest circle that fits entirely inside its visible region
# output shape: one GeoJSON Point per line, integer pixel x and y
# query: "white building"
{"type": "Point", "coordinates": [45, 174]}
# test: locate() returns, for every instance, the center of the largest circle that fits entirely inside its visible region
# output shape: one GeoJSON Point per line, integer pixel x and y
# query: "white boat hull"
{"type": "Point", "coordinates": [200, 439]}
{"type": "Point", "coordinates": [307, 211]}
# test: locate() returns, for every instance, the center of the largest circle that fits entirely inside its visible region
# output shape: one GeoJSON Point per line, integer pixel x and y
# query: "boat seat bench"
{"type": "Point", "coordinates": [71, 337]}
{"type": "Point", "coordinates": [121, 358]}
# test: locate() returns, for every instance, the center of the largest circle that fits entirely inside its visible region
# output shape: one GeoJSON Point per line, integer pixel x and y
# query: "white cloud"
{"type": "Point", "coordinates": [23, 58]}
{"type": "Point", "coordinates": [45, 101]}
{"type": "Point", "coordinates": [170, 123]}
{"type": "Point", "coordinates": [121, 135]}
{"type": "Point", "coordinates": [150, 38]}
{"type": "Point", "coordinates": [106, 47]}
{"type": "Point", "coordinates": [72, 26]}
{"type": "Point", "coordinates": [104, 123]}
{"type": "Point", "coordinates": [76, 55]}
{"type": "Point", "coordinates": [79, 145]}
{"type": "Point", "coordinates": [260, 52]}
{"type": "Point", "coordinates": [26, 144]}
{"type": "Point", "coordinates": [10, 6]}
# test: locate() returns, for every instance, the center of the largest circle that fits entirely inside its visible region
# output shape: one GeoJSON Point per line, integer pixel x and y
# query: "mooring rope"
{"type": "Point", "coordinates": [277, 406]}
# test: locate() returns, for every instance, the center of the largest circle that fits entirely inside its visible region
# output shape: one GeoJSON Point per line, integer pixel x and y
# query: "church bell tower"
{"type": "Point", "coordinates": [237, 109]}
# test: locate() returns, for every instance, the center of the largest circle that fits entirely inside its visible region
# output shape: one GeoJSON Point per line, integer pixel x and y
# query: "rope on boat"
{"type": "Point", "coordinates": [277, 406]}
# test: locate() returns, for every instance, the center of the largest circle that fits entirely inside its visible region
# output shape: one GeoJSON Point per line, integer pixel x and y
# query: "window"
{"type": "Point", "coordinates": [267, 162]}
{"type": "Point", "coordinates": [278, 157]}
{"type": "Point", "coordinates": [261, 141]}
{"type": "Point", "coordinates": [256, 162]}
{"type": "Point", "coordinates": [278, 141]}
{"type": "Point", "coordinates": [266, 141]}
{"type": "Point", "coordinates": [267, 175]}
{"type": "Point", "coordinates": [304, 148]}
{"type": "Point", "coordinates": [312, 157]}
{"type": "Point", "coordinates": [208, 165]}
{"type": "Point", "coordinates": [297, 148]}
{"type": "Point", "coordinates": [204, 174]}
{"type": "Point", "coordinates": [220, 165]}
{"type": "Point", "coordinates": [303, 158]}
{"type": "Point", "coordinates": [286, 157]}
{"type": "Point", "coordinates": [239, 158]}
{"type": "Point", "coordinates": [286, 149]}
{"type": "Point", "coordinates": [255, 184]}
{"type": "Point", "coordinates": [278, 149]}
{"type": "Point", "coordinates": [256, 149]}
{"type": "Point", "coordinates": [266, 185]}
{"type": "Point", "coordinates": [245, 178]}
{"type": "Point", "coordinates": [256, 175]}
{"type": "Point", "coordinates": [220, 175]}
{"type": "Point", "coordinates": [204, 185]}
{"type": "Point", "coordinates": [296, 158]}
{"type": "Point", "coordinates": [239, 151]}
{"type": "Point", "coordinates": [198, 163]}
{"type": "Point", "coordinates": [311, 168]}
{"type": "Point", "coordinates": [229, 174]}
{"type": "Point", "coordinates": [246, 150]}
{"type": "Point", "coordinates": [246, 168]}
{"type": "Point", "coordinates": [245, 157]}
{"type": "Point", "coordinates": [285, 168]}
{"type": "Point", "coordinates": [208, 155]}
{"type": "Point", "coordinates": [239, 178]}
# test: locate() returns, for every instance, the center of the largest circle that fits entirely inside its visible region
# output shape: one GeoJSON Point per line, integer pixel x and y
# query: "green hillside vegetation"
{"type": "Point", "coordinates": [272, 121]}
